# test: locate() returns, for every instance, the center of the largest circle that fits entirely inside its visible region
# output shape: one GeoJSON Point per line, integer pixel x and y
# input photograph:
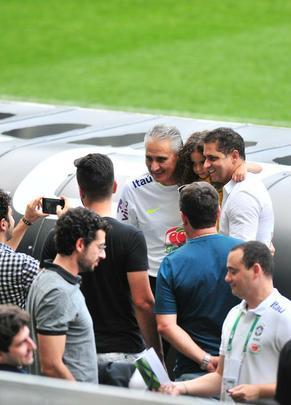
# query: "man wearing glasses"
{"type": "Point", "coordinates": [60, 321]}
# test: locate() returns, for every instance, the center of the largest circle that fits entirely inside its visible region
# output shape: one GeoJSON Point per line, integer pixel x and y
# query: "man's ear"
{"type": "Point", "coordinates": [2, 357]}
{"type": "Point", "coordinates": [114, 188]}
{"type": "Point", "coordinates": [185, 220]}
{"type": "Point", "coordinates": [235, 155]}
{"type": "Point", "coordinates": [257, 269]}
{"type": "Point", "coordinates": [218, 213]}
{"type": "Point", "coordinates": [82, 193]}
{"type": "Point", "coordinates": [3, 225]}
{"type": "Point", "coordinates": [80, 245]}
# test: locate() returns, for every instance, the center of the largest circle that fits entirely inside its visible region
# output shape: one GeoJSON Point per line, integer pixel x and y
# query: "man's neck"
{"type": "Point", "coordinates": [68, 263]}
{"type": "Point", "coordinates": [3, 238]}
{"type": "Point", "coordinates": [197, 233]}
{"type": "Point", "coordinates": [235, 167]}
{"type": "Point", "coordinates": [102, 208]}
{"type": "Point", "coordinates": [258, 297]}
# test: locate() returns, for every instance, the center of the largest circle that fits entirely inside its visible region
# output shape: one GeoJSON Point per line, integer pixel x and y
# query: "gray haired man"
{"type": "Point", "coordinates": [150, 202]}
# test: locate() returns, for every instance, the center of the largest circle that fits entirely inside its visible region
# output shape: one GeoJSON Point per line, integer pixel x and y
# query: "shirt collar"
{"type": "Point", "coordinates": [229, 186]}
{"type": "Point", "coordinates": [6, 247]}
{"type": "Point", "coordinates": [48, 265]}
{"type": "Point", "coordinates": [260, 309]}
{"type": "Point", "coordinates": [16, 369]}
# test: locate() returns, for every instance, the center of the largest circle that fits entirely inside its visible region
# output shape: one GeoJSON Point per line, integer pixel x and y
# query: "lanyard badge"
{"type": "Point", "coordinates": [232, 365]}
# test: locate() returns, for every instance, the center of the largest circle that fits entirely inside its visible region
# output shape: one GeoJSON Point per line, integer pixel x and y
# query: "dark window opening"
{"type": "Point", "coordinates": [3, 116]}
{"type": "Point", "coordinates": [250, 143]}
{"type": "Point", "coordinates": [43, 130]}
{"type": "Point", "coordinates": [285, 160]}
{"type": "Point", "coordinates": [118, 140]}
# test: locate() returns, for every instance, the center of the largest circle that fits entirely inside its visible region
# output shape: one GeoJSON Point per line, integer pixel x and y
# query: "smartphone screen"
{"type": "Point", "coordinates": [49, 205]}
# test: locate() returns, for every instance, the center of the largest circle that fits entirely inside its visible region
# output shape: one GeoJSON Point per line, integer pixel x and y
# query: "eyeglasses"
{"type": "Point", "coordinates": [102, 247]}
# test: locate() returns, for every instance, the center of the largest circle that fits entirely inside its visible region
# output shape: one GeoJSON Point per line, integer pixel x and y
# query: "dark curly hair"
{"type": "Point", "coordinates": [184, 170]}
{"type": "Point", "coordinates": [5, 202]}
{"type": "Point", "coordinates": [75, 224]}
{"type": "Point", "coordinates": [12, 319]}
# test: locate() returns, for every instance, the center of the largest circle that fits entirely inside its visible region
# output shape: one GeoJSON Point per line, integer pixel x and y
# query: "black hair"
{"type": "Point", "coordinates": [227, 140]}
{"type": "Point", "coordinates": [256, 252]}
{"type": "Point", "coordinates": [5, 202]}
{"type": "Point", "coordinates": [12, 320]}
{"type": "Point", "coordinates": [95, 176]}
{"type": "Point", "coordinates": [199, 202]}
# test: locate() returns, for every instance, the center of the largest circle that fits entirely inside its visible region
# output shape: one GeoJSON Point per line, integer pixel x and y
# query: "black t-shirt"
{"type": "Point", "coordinates": [107, 292]}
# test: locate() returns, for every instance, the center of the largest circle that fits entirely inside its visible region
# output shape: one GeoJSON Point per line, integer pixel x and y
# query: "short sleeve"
{"type": "Point", "coordinates": [226, 328]}
{"type": "Point", "coordinates": [54, 313]}
{"type": "Point", "coordinates": [165, 297]}
{"type": "Point", "coordinates": [283, 330]}
{"type": "Point", "coordinates": [137, 259]}
{"type": "Point", "coordinates": [125, 208]}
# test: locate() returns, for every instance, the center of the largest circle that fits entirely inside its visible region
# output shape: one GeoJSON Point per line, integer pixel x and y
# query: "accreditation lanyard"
{"type": "Point", "coordinates": [233, 330]}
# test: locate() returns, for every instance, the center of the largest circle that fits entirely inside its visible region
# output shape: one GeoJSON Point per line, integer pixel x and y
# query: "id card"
{"type": "Point", "coordinates": [230, 377]}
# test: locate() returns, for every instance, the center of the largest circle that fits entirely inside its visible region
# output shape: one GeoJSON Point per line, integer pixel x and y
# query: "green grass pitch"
{"type": "Point", "coordinates": [222, 59]}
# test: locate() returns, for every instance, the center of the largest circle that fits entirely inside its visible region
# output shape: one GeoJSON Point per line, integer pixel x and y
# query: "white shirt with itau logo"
{"type": "Point", "coordinates": [273, 329]}
{"type": "Point", "coordinates": [154, 209]}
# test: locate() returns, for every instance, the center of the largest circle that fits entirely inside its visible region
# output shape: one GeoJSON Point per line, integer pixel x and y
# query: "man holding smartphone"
{"type": "Point", "coordinates": [17, 269]}
{"type": "Point", "coordinates": [49, 205]}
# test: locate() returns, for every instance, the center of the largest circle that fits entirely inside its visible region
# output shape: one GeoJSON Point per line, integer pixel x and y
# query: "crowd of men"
{"type": "Point", "coordinates": [220, 254]}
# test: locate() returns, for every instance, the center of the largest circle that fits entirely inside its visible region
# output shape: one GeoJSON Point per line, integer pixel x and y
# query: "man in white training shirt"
{"type": "Point", "coordinates": [151, 201]}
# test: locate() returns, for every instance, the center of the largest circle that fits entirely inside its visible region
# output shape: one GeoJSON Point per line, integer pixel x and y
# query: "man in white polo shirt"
{"type": "Point", "coordinates": [253, 334]}
{"type": "Point", "coordinates": [247, 211]}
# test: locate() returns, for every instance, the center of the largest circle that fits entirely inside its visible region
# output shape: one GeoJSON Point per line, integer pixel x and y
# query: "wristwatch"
{"type": "Point", "coordinates": [205, 361]}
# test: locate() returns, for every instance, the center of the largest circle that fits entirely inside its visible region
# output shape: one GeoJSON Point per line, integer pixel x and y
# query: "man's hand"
{"type": "Point", "coordinates": [272, 249]}
{"type": "Point", "coordinates": [240, 173]}
{"type": "Point", "coordinates": [212, 365]}
{"type": "Point", "coordinates": [62, 210]}
{"type": "Point", "coordinates": [33, 210]}
{"type": "Point", "coordinates": [245, 392]}
{"type": "Point", "coordinates": [176, 388]}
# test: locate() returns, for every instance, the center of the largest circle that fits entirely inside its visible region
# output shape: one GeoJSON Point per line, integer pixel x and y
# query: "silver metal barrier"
{"type": "Point", "coordinates": [19, 389]}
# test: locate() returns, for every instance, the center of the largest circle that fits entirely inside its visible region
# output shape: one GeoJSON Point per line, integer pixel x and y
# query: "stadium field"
{"type": "Point", "coordinates": [220, 59]}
